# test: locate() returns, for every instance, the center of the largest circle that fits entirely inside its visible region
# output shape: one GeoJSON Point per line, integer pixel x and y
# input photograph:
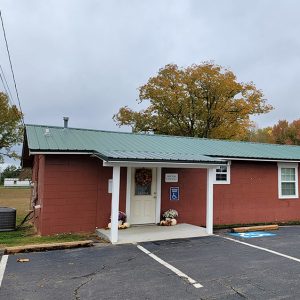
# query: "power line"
{"type": "Point", "coordinates": [6, 92]}
{"type": "Point", "coordinates": [7, 86]}
{"type": "Point", "coordinates": [11, 66]}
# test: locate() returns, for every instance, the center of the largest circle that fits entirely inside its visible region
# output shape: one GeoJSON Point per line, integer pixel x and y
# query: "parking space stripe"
{"type": "Point", "coordinates": [260, 248]}
{"type": "Point", "coordinates": [196, 284]}
{"type": "Point", "coordinates": [2, 267]}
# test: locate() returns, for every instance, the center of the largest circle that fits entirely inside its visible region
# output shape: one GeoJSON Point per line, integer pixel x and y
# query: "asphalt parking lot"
{"type": "Point", "coordinates": [221, 268]}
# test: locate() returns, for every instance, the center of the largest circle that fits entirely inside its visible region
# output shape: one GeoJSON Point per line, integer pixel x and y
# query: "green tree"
{"type": "Point", "coordinates": [11, 129]}
{"type": "Point", "coordinates": [261, 135]}
{"type": "Point", "coordinates": [10, 172]}
{"type": "Point", "coordinates": [203, 100]}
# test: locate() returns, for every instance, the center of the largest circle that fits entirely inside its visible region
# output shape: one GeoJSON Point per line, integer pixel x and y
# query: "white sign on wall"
{"type": "Point", "coordinates": [171, 177]}
{"type": "Point", "coordinates": [110, 186]}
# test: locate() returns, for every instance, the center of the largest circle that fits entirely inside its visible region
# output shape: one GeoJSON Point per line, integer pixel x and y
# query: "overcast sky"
{"type": "Point", "coordinates": [85, 59]}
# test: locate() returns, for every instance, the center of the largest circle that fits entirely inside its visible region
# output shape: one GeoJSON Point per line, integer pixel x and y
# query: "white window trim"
{"type": "Point", "coordinates": [288, 165]}
{"type": "Point", "coordinates": [228, 175]}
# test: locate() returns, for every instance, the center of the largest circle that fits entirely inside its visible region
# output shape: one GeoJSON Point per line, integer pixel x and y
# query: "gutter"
{"type": "Point", "coordinates": [256, 159]}
{"type": "Point", "coordinates": [109, 160]}
{"type": "Point", "coordinates": [57, 152]}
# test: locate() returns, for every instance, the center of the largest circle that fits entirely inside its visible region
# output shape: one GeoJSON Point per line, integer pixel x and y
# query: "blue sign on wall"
{"type": "Point", "coordinates": [174, 193]}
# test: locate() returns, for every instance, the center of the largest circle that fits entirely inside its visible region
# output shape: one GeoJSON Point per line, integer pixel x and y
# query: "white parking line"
{"type": "Point", "coordinates": [2, 267]}
{"type": "Point", "coordinates": [260, 248]}
{"type": "Point", "coordinates": [196, 284]}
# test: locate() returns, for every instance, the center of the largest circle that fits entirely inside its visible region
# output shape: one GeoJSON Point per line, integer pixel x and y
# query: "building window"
{"type": "Point", "coordinates": [287, 180]}
{"type": "Point", "coordinates": [222, 174]}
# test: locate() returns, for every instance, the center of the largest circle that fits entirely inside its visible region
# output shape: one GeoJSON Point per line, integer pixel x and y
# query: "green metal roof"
{"type": "Point", "coordinates": [128, 146]}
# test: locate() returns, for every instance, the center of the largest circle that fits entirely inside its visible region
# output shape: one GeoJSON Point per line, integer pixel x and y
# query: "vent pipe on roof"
{"type": "Point", "coordinates": [47, 132]}
{"type": "Point", "coordinates": [66, 120]}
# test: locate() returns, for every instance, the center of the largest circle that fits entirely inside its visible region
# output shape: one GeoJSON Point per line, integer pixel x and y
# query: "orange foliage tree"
{"type": "Point", "coordinates": [287, 133]}
{"type": "Point", "coordinates": [203, 100]}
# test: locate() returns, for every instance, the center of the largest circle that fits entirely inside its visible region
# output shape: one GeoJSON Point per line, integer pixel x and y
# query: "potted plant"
{"type": "Point", "coordinates": [169, 217]}
{"type": "Point", "coordinates": [122, 221]}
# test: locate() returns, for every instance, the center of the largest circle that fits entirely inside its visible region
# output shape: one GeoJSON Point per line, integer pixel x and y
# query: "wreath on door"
{"type": "Point", "coordinates": [143, 176]}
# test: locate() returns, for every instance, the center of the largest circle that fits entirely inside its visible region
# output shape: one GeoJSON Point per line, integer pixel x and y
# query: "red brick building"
{"type": "Point", "coordinates": [82, 177]}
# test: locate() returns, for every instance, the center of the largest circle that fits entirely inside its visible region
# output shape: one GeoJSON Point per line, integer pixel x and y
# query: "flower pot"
{"type": "Point", "coordinates": [173, 222]}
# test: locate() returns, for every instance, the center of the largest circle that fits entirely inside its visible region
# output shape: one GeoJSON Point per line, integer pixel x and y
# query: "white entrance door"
{"type": "Point", "coordinates": [143, 197]}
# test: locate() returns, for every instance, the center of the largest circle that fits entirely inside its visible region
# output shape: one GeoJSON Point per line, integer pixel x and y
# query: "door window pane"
{"type": "Point", "coordinates": [143, 189]}
{"type": "Point", "coordinates": [143, 181]}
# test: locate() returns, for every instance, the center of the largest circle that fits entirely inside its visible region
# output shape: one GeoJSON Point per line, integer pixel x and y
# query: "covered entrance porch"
{"type": "Point", "coordinates": [148, 233]}
{"type": "Point", "coordinates": [143, 205]}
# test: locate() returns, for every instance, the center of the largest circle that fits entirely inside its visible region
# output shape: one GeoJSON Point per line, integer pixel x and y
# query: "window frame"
{"type": "Point", "coordinates": [227, 181]}
{"type": "Point", "coordinates": [287, 166]}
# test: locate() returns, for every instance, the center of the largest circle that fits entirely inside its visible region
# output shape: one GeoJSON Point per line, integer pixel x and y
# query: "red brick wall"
{"type": "Point", "coordinates": [73, 194]}
{"type": "Point", "coordinates": [104, 198]}
{"type": "Point", "coordinates": [76, 195]}
{"type": "Point", "coordinates": [251, 197]}
{"type": "Point", "coordinates": [192, 198]}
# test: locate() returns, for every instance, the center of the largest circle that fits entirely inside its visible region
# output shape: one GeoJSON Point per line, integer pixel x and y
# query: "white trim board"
{"type": "Point", "coordinates": [158, 164]}
{"type": "Point", "coordinates": [158, 195]}
{"type": "Point", "coordinates": [258, 159]}
{"type": "Point", "coordinates": [220, 158]}
{"type": "Point", "coordinates": [128, 193]}
{"type": "Point", "coordinates": [51, 152]}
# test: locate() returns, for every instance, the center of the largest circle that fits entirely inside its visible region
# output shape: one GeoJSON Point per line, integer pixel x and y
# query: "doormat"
{"type": "Point", "coordinates": [252, 234]}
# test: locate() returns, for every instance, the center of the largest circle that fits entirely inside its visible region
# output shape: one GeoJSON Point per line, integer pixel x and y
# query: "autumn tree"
{"type": "Point", "coordinates": [283, 132]}
{"type": "Point", "coordinates": [286, 133]}
{"type": "Point", "coordinates": [203, 100]}
{"type": "Point", "coordinates": [261, 135]}
{"type": "Point", "coordinates": [10, 127]}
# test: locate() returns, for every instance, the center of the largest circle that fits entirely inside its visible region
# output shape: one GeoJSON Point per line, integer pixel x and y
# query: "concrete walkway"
{"type": "Point", "coordinates": [147, 233]}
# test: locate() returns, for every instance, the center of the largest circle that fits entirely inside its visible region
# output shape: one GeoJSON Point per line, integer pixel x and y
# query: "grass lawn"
{"type": "Point", "coordinates": [19, 199]}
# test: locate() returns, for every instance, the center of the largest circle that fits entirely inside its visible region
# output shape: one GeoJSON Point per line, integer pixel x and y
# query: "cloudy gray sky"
{"type": "Point", "coordinates": [85, 59]}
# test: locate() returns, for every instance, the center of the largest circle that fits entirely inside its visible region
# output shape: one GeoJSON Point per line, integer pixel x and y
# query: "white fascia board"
{"type": "Point", "coordinates": [158, 164]}
{"type": "Point", "coordinates": [58, 152]}
{"type": "Point", "coordinates": [254, 159]}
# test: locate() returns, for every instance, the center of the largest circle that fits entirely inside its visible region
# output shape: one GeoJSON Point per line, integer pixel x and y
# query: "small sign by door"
{"type": "Point", "coordinates": [174, 193]}
{"type": "Point", "coordinates": [171, 177]}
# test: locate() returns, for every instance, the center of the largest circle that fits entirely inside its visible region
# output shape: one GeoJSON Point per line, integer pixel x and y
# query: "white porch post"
{"type": "Point", "coordinates": [115, 204]}
{"type": "Point", "coordinates": [158, 194]}
{"type": "Point", "coordinates": [209, 200]}
{"type": "Point", "coordinates": [128, 193]}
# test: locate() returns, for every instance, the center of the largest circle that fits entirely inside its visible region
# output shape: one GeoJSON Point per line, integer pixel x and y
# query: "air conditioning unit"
{"type": "Point", "coordinates": [7, 219]}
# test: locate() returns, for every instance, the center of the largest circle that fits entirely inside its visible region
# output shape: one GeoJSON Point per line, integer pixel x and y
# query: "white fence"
{"type": "Point", "coordinates": [16, 182]}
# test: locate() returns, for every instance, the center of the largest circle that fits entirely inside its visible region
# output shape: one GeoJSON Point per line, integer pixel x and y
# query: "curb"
{"type": "Point", "coordinates": [48, 247]}
{"type": "Point", "coordinates": [255, 228]}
